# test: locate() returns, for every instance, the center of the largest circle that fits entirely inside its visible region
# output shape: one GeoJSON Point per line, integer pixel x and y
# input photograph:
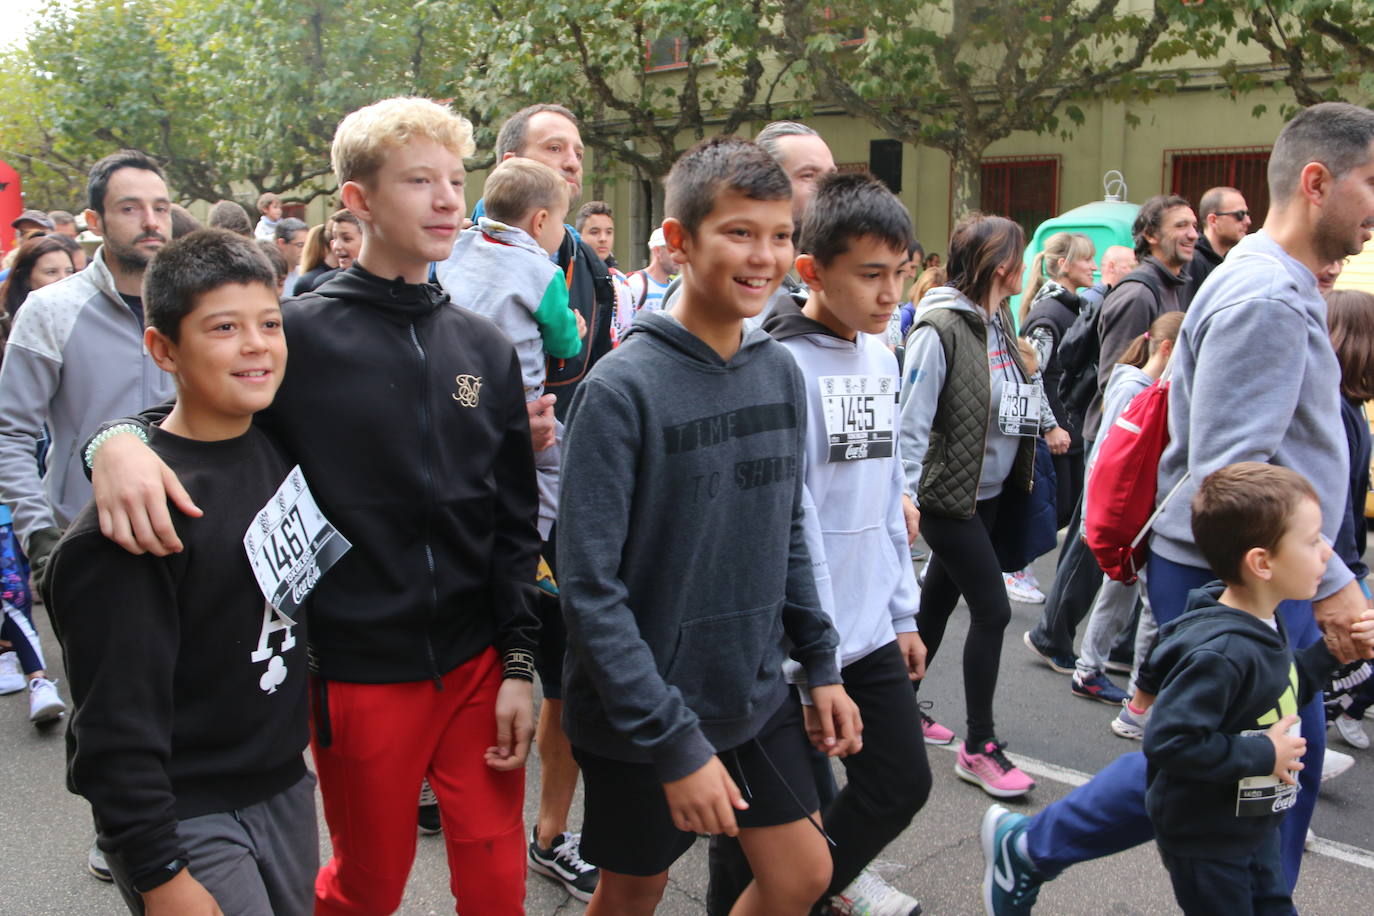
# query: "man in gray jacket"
{"type": "Point", "coordinates": [75, 358]}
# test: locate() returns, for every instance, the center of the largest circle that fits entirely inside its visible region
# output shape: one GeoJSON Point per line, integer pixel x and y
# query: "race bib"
{"type": "Point", "coordinates": [859, 412]}
{"type": "Point", "coordinates": [290, 545]}
{"type": "Point", "coordinates": [1261, 796]}
{"type": "Point", "coordinates": [1019, 412]}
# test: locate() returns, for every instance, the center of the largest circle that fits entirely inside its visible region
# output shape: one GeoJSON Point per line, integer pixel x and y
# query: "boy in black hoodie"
{"type": "Point", "coordinates": [1223, 742]}
{"type": "Point", "coordinates": [682, 591]}
{"type": "Point", "coordinates": [408, 417]}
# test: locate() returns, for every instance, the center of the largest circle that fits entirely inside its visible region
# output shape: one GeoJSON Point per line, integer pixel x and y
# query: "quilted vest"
{"type": "Point", "coordinates": [958, 434]}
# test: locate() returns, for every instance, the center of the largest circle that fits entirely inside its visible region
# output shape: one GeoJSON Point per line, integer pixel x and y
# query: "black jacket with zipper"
{"type": "Point", "coordinates": [407, 415]}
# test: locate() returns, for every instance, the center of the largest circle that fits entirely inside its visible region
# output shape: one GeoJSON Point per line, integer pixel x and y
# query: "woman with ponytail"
{"type": "Point", "coordinates": [1050, 305]}
{"type": "Point", "coordinates": [960, 448]}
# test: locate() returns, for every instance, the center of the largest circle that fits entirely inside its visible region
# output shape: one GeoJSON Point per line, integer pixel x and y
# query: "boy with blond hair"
{"type": "Point", "coordinates": [408, 417]}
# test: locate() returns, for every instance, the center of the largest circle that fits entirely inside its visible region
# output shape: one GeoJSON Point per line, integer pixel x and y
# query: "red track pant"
{"type": "Point", "coordinates": [385, 739]}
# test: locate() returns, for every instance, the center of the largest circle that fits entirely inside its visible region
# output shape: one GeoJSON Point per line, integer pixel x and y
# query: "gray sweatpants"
{"type": "Point", "coordinates": [1110, 612]}
{"type": "Point", "coordinates": [256, 861]}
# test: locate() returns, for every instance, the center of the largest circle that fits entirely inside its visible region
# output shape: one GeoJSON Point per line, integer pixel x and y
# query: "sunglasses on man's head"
{"type": "Point", "coordinates": [1237, 215]}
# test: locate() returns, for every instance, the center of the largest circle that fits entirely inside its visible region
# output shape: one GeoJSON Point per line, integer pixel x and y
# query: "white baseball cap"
{"type": "Point", "coordinates": [656, 239]}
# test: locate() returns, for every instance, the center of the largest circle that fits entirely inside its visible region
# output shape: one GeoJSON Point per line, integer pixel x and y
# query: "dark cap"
{"type": "Point", "coordinates": [32, 216]}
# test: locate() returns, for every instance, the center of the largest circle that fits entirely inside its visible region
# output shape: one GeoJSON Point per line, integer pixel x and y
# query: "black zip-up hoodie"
{"type": "Point", "coordinates": [1225, 677]}
{"type": "Point", "coordinates": [407, 415]}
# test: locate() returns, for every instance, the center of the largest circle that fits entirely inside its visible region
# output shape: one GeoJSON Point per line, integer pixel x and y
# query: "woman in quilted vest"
{"type": "Point", "coordinates": [971, 407]}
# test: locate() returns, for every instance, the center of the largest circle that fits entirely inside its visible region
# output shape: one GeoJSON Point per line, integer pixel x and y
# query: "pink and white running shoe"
{"type": "Point", "coordinates": [992, 771]}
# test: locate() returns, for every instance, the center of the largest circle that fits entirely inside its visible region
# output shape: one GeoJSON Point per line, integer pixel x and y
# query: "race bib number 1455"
{"type": "Point", "coordinates": [859, 412]}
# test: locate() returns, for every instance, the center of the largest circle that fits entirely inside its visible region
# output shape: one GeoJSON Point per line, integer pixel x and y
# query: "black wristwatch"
{"type": "Point", "coordinates": [160, 875]}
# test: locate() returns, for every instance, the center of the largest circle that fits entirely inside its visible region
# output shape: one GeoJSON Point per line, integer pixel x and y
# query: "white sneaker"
{"type": "Point", "coordinates": [44, 703]}
{"type": "Point", "coordinates": [1018, 589]}
{"type": "Point", "coordinates": [1030, 579]}
{"type": "Point", "coordinates": [1352, 732]}
{"type": "Point", "coordinates": [870, 895]}
{"type": "Point", "coordinates": [1335, 763]}
{"type": "Point", "coordinates": [11, 678]}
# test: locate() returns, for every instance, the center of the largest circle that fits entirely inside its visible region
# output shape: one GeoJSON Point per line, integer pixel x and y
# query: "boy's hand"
{"type": "Point", "coordinates": [514, 725]}
{"type": "Point", "coordinates": [542, 432]}
{"type": "Point", "coordinates": [1058, 440]}
{"type": "Point", "coordinates": [581, 324]}
{"type": "Point", "coordinates": [181, 896]}
{"type": "Point", "coordinates": [131, 487]}
{"type": "Point", "coordinates": [1288, 750]}
{"type": "Point", "coordinates": [705, 801]}
{"type": "Point", "coordinates": [1336, 614]}
{"type": "Point", "coordinates": [914, 652]}
{"type": "Point", "coordinates": [833, 723]}
{"type": "Point", "coordinates": [912, 516]}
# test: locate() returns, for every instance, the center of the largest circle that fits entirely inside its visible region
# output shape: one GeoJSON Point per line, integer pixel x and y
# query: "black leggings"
{"type": "Point", "coordinates": [963, 562]}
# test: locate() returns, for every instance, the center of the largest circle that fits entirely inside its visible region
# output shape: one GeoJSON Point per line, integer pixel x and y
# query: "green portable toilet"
{"type": "Point", "coordinates": [1107, 222]}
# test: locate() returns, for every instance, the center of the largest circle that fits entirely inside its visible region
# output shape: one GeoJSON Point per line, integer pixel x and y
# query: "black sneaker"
{"type": "Point", "coordinates": [428, 818]}
{"type": "Point", "coordinates": [563, 863]}
{"type": "Point", "coordinates": [1062, 664]}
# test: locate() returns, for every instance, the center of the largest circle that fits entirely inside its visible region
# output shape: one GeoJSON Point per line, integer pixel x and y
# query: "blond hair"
{"type": "Point", "coordinates": [1062, 246]}
{"type": "Point", "coordinates": [364, 137]}
{"type": "Point", "coordinates": [517, 187]}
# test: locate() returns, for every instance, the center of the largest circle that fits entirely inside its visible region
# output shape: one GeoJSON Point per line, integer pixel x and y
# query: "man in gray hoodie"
{"type": "Point", "coordinates": [1254, 379]}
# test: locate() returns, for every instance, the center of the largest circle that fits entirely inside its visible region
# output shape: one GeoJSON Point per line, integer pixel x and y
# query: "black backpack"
{"type": "Point", "coordinates": [1080, 352]}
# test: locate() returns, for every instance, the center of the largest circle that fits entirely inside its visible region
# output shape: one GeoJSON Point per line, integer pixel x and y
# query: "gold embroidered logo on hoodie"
{"type": "Point", "coordinates": [468, 388]}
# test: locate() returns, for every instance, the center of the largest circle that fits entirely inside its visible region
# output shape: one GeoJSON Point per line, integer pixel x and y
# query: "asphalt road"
{"type": "Point", "coordinates": [44, 831]}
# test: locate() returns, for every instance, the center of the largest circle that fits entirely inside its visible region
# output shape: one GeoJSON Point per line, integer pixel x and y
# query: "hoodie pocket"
{"type": "Point", "coordinates": [721, 659]}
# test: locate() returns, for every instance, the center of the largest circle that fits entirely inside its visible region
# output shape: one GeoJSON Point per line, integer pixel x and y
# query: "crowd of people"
{"type": "Point", "coordinates": [686, 500]}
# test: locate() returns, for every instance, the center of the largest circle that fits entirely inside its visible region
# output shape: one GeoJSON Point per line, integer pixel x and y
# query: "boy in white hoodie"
{"type": "Point", "coordinates": [854, 241]}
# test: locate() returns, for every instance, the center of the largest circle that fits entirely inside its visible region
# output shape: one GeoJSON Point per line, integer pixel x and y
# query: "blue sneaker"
{"type": "Point", "coordinates": [1099, 687]}
{"type": "Point", "coordinates": [1010, 883]}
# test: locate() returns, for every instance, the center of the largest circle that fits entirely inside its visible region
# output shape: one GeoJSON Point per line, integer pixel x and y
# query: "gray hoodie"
{"type": "Point", "coordinates": [1254, 379]}
{"type": "Point", "coordinates": [683, 589]}
{"type": "Point", "coordinates": [74, 360]}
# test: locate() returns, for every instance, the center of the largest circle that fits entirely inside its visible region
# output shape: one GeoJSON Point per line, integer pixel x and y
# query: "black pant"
{"type": "Point", "coordinates": [963, 562]}
{"type": "Point", "coordinates": [1077, 578]}
{"type": "Point", "coordinates": [1068, 477]}
{"type": "Point", "coordinates": [888, 782]}
{"type": "Point", "coordinates": [1241, 886]}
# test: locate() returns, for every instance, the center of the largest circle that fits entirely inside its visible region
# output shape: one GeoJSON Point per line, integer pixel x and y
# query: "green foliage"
{"type": "Point", "coordinates": [960, 74]}
{"type": "Point", "coordinates": [224, 94]}
{"type": "Point", "coordinates": [1323, 50]}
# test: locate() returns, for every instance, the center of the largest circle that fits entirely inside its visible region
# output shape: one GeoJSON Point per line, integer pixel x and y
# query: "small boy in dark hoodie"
{"type": "Point", "coordinates": [1223, 743]}
{"type": "Point", "coordinates": [674, 698]}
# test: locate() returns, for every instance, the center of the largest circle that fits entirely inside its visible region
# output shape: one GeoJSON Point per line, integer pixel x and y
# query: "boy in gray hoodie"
{"type": "Point", "coordinates": [683, 592]}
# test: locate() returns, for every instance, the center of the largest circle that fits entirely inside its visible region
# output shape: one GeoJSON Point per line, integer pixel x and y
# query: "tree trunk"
{"type": "Point", "coordinates": [966, 182]}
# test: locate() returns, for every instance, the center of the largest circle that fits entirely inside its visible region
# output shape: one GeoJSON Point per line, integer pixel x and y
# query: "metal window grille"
{"type": "Point", "coordinates": [1192, 172]}
{"type": "Point", "coordinates": [1024, 189]}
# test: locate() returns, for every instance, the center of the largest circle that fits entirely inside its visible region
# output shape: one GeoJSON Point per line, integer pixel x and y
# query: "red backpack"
{"type": "Point", "coordinates": [1122, 485]}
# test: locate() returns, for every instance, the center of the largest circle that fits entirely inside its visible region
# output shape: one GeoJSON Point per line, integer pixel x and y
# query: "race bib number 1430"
{"type": "Point", "coordinates": [859, 412]}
